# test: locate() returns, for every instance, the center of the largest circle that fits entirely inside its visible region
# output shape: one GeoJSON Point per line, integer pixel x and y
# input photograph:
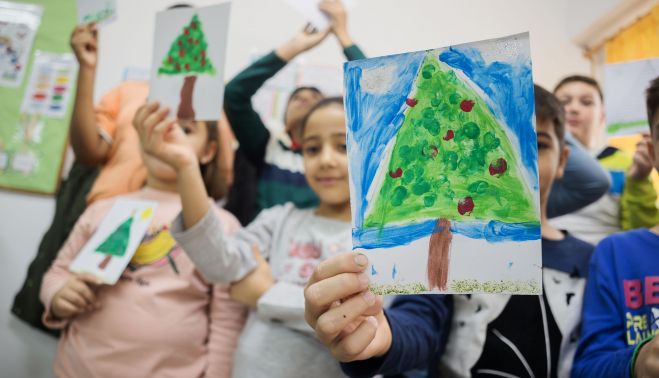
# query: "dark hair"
{"type": "Point", "coordinates": [320, 105]}
{"type": "Point", "coordinates": [548, 108]}
{"type": "Point", "coordinates": [652, 101]}
{"type": "Point", "coordinates": [581, 79]}
{"type": "Point", "coordinates": [179, 5]}
{"type": "Point", "coordinates": [214, 184]}
{"type": "Point", "coordinates": [300, 89]}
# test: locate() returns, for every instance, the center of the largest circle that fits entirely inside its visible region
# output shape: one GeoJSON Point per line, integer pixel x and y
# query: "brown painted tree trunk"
{"type": "Point", "coordinates": [185, 107]}
{"type": "Point", "coordinates": [105, 262]}
{"type": "Point", "coordinates": [438, 255]}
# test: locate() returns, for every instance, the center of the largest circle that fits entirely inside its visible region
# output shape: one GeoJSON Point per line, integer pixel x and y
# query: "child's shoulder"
{"type": "Point", "coordinates": [629, 241]}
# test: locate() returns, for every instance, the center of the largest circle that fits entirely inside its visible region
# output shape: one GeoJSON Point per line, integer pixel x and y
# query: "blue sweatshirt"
{"type": "Point", "coordinates": [483, 334]}
{"type": "Point", "coordinates": [621, 305]}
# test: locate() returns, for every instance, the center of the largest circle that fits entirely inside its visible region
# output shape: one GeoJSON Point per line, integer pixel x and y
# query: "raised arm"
{"type": "Point", "coordinates": [250, 131]}
{"type": "Point", "coordinates": [338, 16]}
{"type": "Point", "coordinates": [584, 182]}
{"type": "Point", "coordinates": [90, 143]}
{"type": "Point", "coordinates": [638, 203]}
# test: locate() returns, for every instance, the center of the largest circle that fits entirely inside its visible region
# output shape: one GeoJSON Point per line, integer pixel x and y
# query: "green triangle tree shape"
{"type": "Point", "coordinates": [188, 53]}
{"type": "Point", "coordinates": [117, 242]}
{"type": "Point", "coordinates": [450, 148]}
{"type": "Point", "coordinates": [451, 161]}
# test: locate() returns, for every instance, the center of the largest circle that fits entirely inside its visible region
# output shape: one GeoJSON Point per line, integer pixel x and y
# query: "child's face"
{"type": "Point", "coordinates": [584, 111]}
{"type": "Point", "coordinates": [551, 158]}
{"type": "Point", "coordinates": [325, 159]}
{"type": "Point", "coordinates": [298, 107]}
{"type": "Point", "coordinates": [190, 135]}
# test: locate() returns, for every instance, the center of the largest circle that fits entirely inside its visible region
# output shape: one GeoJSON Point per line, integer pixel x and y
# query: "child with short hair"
{"type": "Point", "coordinates": [621, 306]}
{"type": "Point", "coordinates": [161, 318]}
{"type": "Point", "coordinates": [276, 341]}
{"type": "Point", "coordinates": [630, 202]}
{"type": "Point", "coordinates": [486, 335]}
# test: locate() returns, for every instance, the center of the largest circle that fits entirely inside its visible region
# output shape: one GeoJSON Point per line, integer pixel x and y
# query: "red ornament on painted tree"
{"type": "Point", "coordinates": [411, 102]}
{"type": "Point", "coordinates": [466, 206]}
{"type": "Point", "coordinates": [467, 105]}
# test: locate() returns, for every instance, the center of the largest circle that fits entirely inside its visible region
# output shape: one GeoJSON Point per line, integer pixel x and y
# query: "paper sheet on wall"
{"type": "Point", "coordinates": [99, 11]}
{"type": "Point", "coordinates": [624, 95]}
{"type": "Point", "coordinates": [52, 80]}
{"type": "Point", "coordinates": [18, 26]}
{"type": "Point", "coordinates": [114, 243]}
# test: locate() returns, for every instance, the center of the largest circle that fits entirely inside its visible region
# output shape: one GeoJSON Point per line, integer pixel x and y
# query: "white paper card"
{"type": "Point", "coordinates": [114, 243]}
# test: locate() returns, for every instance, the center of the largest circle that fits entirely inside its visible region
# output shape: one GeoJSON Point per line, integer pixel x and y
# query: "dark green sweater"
{"type": "Point", "coordinates": [281, 178]}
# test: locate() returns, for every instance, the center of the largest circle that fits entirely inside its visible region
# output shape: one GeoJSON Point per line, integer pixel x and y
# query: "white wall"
{"type": "Point", "coordinates": [379, 26]}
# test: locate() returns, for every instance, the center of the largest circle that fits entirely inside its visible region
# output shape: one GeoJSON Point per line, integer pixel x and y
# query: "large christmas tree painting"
{"type": "Point", "coordinates": [452, 165]}
{"type": "Point", "coordinates": [116, 244]}
{"type": "Point", "coordinates": [188, 56]}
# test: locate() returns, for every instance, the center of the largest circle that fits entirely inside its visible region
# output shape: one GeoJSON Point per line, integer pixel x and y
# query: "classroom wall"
{"type": "Point", "coordinates": [379, 26]}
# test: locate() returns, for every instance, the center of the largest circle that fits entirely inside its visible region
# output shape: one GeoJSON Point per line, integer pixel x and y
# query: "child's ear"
{"type": "Point", "coordinates": [209, 152]}
{"type": "Point", "coordinates": [562, 162]}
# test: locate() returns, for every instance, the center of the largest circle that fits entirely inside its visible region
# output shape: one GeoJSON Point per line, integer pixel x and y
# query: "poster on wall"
{"type": "Point", "coordinates": [18, 27]}
{"type": "Point", "coordinates": [624, 95]}
{"type": "Point", "coordinates": [50, 85]}
{"type": "Point", "coordinates": [31, 149]}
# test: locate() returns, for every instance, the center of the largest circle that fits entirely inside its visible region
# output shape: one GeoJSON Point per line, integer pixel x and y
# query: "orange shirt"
{"type": "Point", "coordinates": [123, 171]}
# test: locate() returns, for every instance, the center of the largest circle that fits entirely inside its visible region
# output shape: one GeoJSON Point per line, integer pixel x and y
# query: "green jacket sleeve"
{"type": "Point", "coordinates": [250, 131]}
{"type": "Point", "coordinates": [638, 205]}
{"type": "Point", "coordinates": [353, 52]}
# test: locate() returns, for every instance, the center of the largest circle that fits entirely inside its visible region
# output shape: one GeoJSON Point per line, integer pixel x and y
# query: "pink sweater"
{"type": "Point", "coordinates": [155, 322]}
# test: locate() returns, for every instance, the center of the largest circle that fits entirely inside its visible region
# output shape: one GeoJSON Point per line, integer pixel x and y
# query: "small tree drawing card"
{"type": "Point", "coordinates": [98, 11]}
{"type": "Point", "coordinates": [114, 243]}
{"type": "Point", "coordinates": [188, 61]}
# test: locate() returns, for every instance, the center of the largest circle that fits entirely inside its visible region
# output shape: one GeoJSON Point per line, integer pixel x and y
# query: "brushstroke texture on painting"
{"type": "Point", "coordinates": [443, 142]}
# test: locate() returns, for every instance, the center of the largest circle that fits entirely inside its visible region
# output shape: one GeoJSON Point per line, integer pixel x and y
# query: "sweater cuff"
{"type": "Point", "coordinates": [274, 60]}
{"type": "Point", "coordinates": [640, 191]}
{"type": "Point", "coordinates": [353, 52]}
{"type": "Point", "coordinates": [48, 318]}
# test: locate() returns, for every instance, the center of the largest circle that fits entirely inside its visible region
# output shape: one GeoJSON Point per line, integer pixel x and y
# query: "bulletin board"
{"type": "Point", "coordinates": [47, 150]}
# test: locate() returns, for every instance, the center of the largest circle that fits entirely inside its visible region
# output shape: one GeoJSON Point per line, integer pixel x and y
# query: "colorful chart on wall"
{"type": "Point", "coordinates": [51, 83]}
{"type": "Point", "coordinates": [33, 143]}
{"type": "Point", "coordinates": [188, 61]}
{"type": "Point", "coordinates": [443, 169]}
{"type": "Point", "coordinates": [114, 243]}
{"type": "Point", "coordinates": [18, 26]}
{"type": "Point", "coordinates": [624, 95]}
{"type": "Point", "coordinates": [98, 11]}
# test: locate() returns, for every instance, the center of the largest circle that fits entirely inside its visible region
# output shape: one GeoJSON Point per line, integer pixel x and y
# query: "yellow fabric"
{"type": "Point", "coordinates": [154, 249]}
{"type": "Point", "coordinates": [638, 41]}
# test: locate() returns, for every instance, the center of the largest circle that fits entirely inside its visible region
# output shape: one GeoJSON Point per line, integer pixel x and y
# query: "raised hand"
{"type": "Point", "coordinates": [347, 317]}
{"type": "Point", "coordinates": [162, 137]}
{"type": "Point", "coordinates": [304, 40]}
{"type": "Point", "coordinates": [76, 297]}
{"type": "Point", "coordinates": [84, 42]}
{"type": "Point", "coordinates": [642, 164]}
{"type": "Point", "coordinates": [336, 11]}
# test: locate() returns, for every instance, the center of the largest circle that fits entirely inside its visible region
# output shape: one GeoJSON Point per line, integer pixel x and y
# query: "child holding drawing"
{"type": "Point", "coordinates": [276, 341]}
{"type": "Point", "coordinates": [161, 318]}
{"type": "Point", "coordinates": [462, 335]}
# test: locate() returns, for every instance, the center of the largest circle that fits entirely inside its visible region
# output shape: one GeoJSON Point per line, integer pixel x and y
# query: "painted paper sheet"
{"type": "Point", "coordinates": [309, 10]}
{"type": "Point", "coordinates": [98, 11]}
{"type": "Point", "coordinates": [188, 61]}
{"type": "Point", "coordinates": [52, 80]}
{"type": "Point", "coordinates": [624, 95]}
{"type": "Point", "coordinates": [443, 169]}
{"type": "Point", "coordinates": [18, 27]}
{"type": "Point", "coordinates": [114, 243]}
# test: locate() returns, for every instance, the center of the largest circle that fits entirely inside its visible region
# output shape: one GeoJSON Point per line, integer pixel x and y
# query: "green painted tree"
{"type": "Point", "coordinates": [188, 56]}
{"type": "Point", "coordinates": [116, 243]}
{"type": "Point", "coordinates": [451, 161]}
